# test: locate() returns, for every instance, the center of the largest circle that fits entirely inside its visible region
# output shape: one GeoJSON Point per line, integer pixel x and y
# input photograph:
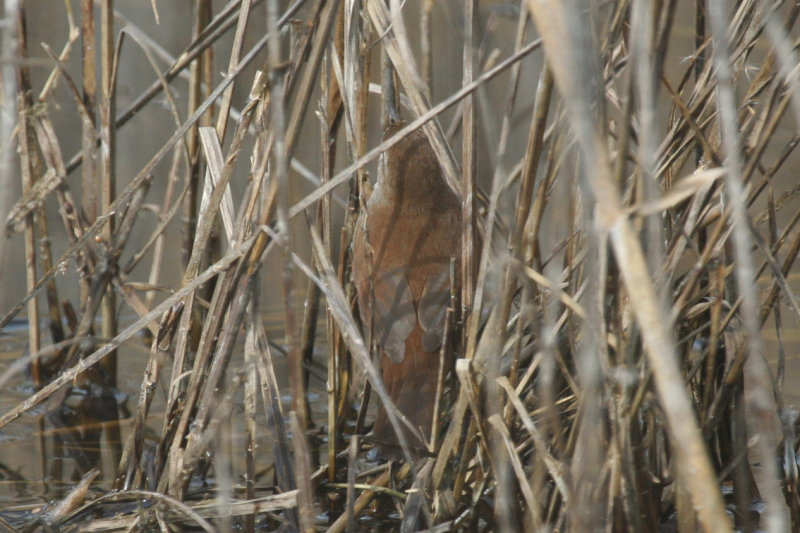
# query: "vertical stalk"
{"type": "Point", "coordinates": [236, 53]}
{"type": "Point", "coordinates": [27, 156]}
{"type": "Point", "coordinates": [8, 121]}
{"type": "Point", "coordinates": [324, 227]}
{"type": "Point", "coordinates": [427, 48]}
{"type": "Point", "coordinates": [760, 395]}
{"type": "Point", "coordinates": [31, 163]}
{"type": "Point", "coordinates": [299, 417]}
{"type": "Point", "coordinates": [468, 166]}
{"type": "Point", "coordinates": [108, 167]}
{"type": "Point", "coordinates": [89, 61]}
{"type": "Point", "coordinates": [250, 395]}
{"type": "Point", "coordinates": [192, 142]}
{"type": "Point", "coordinates": [88, 131]}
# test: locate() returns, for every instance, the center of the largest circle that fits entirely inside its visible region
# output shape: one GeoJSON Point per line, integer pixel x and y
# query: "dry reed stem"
{"type": "Point", "coordinates": [29, 163]}
{"type": "Point", "coordinates": [469, 158]}
{"type": "Point", "coordinates": [693, 460]}
{"type": "Point", "coordinates": [760, 398]}
{"type": "Point", "coordinates": [107, 178]}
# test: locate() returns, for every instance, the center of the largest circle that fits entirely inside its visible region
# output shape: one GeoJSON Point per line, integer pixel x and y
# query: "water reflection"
{"type": "Point", "coordinates": [60, 441]}
{"type": "Point", "coordinates": [84, 425]}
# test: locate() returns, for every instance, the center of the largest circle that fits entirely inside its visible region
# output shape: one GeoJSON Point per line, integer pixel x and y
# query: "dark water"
{"type": "Point", "coordinates": [42, 456]}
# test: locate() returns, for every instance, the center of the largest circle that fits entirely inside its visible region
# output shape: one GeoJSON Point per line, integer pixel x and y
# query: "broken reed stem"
{"type": "Point", "coordinates": [69, 374]}
{"type": "Point", "coordinates": [366, 497]}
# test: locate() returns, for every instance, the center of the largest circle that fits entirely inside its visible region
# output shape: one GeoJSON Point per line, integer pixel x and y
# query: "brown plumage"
{"type": "Point", "coordinates": [403, 244]}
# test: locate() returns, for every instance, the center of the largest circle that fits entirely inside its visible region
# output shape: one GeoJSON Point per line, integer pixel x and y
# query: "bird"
{"type": "Point", "coordinates": [403, 246]}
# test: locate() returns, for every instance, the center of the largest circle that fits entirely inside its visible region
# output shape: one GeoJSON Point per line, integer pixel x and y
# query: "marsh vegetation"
{"type": "Point", "coordinates": [629, 227]}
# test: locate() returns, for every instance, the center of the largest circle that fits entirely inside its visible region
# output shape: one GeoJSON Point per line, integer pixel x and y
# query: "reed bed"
{"type": "Point", "coordinates": [625, 245]}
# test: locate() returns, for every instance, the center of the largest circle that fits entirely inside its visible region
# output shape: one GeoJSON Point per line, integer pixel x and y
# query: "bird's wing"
{"type": "Point", "coordinates": [395, 316]}
{"type": "Point", "coordinates": [432, 310]}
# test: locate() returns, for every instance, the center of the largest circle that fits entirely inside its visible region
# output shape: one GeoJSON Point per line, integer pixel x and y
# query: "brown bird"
{"type": "Point", "coordinates": [402, 249]}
